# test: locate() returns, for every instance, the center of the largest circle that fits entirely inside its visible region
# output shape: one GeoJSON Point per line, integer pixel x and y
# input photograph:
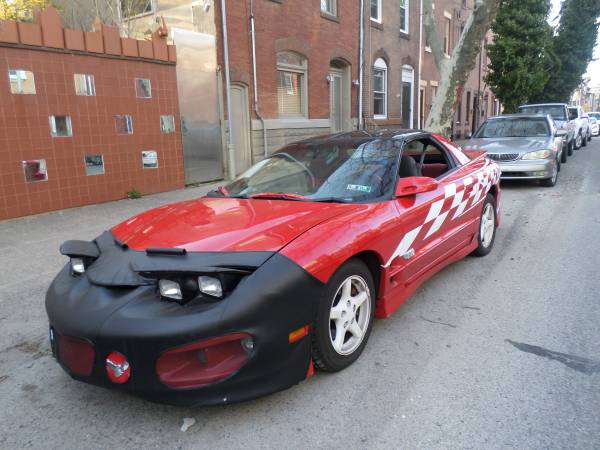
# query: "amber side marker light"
{"type": "Point", "coordinates": [298, 334]}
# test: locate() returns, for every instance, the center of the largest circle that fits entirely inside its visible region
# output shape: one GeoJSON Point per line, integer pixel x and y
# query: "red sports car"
{"type": "Point", "coordinates": [241, 293]}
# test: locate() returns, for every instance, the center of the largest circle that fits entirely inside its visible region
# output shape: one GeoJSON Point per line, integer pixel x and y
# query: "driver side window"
{"type": "Point", "coordinates": [430, 159]}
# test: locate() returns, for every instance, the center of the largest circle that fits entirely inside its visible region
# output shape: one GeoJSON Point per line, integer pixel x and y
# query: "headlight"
{"type": "Point", "coordinates": [540, 154]}
{"type": "Point", "coordinates": [210, 286]}
{"type": "Point", "coordinates": [170, 289]}
{"type": "Point", "coordinates": [77, 266]}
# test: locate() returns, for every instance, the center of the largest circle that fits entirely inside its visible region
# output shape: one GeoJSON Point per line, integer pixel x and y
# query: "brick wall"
{"type": "Point", "coordinates": [53, 56]}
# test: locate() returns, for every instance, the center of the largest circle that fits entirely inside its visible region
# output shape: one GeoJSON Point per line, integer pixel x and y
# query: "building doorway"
{"type": "Point", "coordinates": [339, 97]}
{"type": "Point", "coordinates": [407, 96]}
{"type": "Point", "coordinates": [241, 127]}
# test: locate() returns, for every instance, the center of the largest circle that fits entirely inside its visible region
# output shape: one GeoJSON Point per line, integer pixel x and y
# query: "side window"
{"type": "Point", "coordinates": [430, 159]}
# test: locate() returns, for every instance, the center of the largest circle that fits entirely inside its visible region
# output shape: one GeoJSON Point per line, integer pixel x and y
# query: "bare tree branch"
{"type": "Point", "coordinates": [433, 37]}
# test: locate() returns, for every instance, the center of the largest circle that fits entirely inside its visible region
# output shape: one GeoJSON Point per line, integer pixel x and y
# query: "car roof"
{"type": "Point", "coordinates": [520, 116]}
{"type": "Point", "coordinates": [363, 136]}
{"type": "Point", "coordinates": [543, 104]}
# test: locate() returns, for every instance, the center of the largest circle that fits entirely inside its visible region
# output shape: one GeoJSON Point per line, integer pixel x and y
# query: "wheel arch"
{"type": "Point", "coordinates": [373, 262]}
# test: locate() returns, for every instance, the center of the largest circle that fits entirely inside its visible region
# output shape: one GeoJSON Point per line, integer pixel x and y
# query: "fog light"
{"type": "Point", "coordinates": [77, 266]}
{"type": "Point", "coordinates": [117, 368]}
{"type": "Point", "coordinates": [170, 289]}
{"type": "Point", "coordinates": [210, 286]}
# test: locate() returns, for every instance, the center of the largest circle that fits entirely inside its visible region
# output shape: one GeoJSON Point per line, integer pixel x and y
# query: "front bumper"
{"type": "Point", "coordinates": [268, 304]}
{"type": "Point", "coordinates": [527, 170]}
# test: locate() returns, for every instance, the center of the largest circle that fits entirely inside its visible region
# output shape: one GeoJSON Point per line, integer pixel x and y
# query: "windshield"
{"type": "Point", "coordinates": [557, 112]}
{"type": "Point", "coordinates": [348, 171]}
{"type": "Point", "coordinates": [515, 127]}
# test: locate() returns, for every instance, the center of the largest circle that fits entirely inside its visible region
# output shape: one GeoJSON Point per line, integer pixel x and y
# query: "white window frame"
{"type": "Point", "coordinates": [90, 86]}
{"type": "Point", "coordinates": [380, 65]}
{"type": "Point", "coordinates": [379, 7]}
{"type": "Point", "coordinates": [53, 131]}
{"type": "Point", "coordinates": [171, 119]}
{"type": "Point", "coordinates": [303, 72]}
{"type": "Point", "coordinates": [86, 166]}
{"type": "Point", "coordinates": [408, 76]}
{"type": "Point", "coordinates": [20, 75]}
{"type": "Point", "coordinates": [135, 86]}
{"type": "Point", "coordinates": [128, 123]}
{"type": "Point", "coordinates": [332, 11]}
{"type": "Point", "coordinates": [405, 27]}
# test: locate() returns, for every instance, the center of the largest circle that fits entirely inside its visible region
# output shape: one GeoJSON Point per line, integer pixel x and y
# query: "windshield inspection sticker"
{"type": "Point", "coordinates": [358, 187]}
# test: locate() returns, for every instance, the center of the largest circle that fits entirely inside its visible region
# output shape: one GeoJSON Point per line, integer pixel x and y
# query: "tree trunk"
{"type": "Point", "coordinates": [455, 69]}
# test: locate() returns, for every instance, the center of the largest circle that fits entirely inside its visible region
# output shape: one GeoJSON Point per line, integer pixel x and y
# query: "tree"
{"type": "Point", "coordinates": [573, 45]}
{"type": "Point", "coordinates": [454, 71]}
{"type": "Point", "coordinates": [21, 10]}
{"type": "Point", "coordinates": [520, 56]}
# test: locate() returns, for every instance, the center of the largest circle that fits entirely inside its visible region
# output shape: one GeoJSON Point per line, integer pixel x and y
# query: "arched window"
{"type": "Point", "coordinates": [291, 84]}
{"type": "Point", "coordinates": [380, 89]}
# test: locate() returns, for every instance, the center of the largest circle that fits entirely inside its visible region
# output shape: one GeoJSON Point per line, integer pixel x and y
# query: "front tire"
{"type": "Point", "coordinates": [584, 140]}
{"type": "Point", "coordinates": [570, 148]}
{"type": "Point", "coordinates": [344, 318]}
{"type": "Point", "coordinates": [563, 154]}
{"type": "Point", "coordinates": [578, 141]}
{"type": "Point", "coordinates": [487, 227]}
{"type": "Point", "coordinates": [551, 182]}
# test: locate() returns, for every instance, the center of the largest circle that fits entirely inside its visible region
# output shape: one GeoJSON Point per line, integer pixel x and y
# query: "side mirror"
{"type": "Point", "coordinates": [572, 115]}
{"type": "Point", "coordinates": [560, 133]}
{"type": "Point", "coordinates": [415, 185]}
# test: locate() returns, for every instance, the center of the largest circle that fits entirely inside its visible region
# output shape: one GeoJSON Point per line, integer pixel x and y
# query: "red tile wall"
{"type": "Point", "coordinates": [25, 132]}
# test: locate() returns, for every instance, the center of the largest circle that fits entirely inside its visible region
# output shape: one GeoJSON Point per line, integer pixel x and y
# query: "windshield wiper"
{"type": "Point", "coordinates": [330, 200]}
{"type": "Point", "coordinates": [278, 196]}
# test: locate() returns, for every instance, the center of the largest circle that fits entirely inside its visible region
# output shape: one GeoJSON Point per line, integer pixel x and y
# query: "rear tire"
{"type": "Point", "coordinates": [487, 227]}
{"type": "Point", "coordinates": [344, 318]}
{"type": "Point", "coordinates": [578, 141]}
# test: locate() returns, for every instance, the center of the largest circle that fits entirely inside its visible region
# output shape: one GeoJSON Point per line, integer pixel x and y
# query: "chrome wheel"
{"type": "Point", "coordinates": [488, 223]}
{"type": "Point", "coordinates": [349, 315]}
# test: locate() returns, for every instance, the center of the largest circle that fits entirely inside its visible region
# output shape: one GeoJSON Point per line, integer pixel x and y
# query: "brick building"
{"type": "Point", "coordinates": [84, 117]}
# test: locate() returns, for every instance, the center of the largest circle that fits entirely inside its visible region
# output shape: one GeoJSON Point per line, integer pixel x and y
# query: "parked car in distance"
{"type": "Point", "coordinates": [594, 123]}
{"type": "Point", "coordinates": [582, 126]}
{"type": "Point", "coordinates": [525, 146]}
{"type": "Point", "coordinates": [560, 114]}
{"type": "Point", "coordinates": [238, 294]}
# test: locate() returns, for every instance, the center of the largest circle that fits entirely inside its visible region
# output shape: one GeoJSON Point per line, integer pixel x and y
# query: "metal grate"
{"type": "Point", "coordinates": [503, 156]}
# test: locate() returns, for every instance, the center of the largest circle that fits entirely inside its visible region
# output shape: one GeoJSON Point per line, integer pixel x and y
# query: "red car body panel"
{"type": "Point", "coordinates": [412, 237]}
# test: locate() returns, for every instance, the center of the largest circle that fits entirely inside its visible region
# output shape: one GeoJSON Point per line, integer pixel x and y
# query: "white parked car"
{"type": "Point", "coordinates": [583, 133]}
{"type": "Point", "coordinates": [595, 122]}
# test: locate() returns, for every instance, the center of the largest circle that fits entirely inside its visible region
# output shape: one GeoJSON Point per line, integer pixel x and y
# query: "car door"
{"type": "Point", "coordinates": [433, 225]}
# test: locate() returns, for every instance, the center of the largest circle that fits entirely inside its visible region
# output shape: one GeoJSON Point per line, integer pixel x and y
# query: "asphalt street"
{"type": "Point", "coordinates": [498, 352]}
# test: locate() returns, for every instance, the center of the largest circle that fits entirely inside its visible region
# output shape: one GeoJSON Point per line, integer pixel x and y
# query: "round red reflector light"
{"type": "Point", "coordinates": [117, 368]}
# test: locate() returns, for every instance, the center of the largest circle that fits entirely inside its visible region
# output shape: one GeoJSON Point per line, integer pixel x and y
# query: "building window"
{"type": "Point", "coordinates": [408, 80]}
{"type": "Point", "coordinates": [21, 81]}
{"type": "Point", "coordinates": [447, 28]}
{"type": "Point", "coordinates": [167, 124]}
{"type": "Point", "coordinates": [133, 8]}
{"type": "Point", "coordinates": [329, 7]}
{"type": "Point", "coordinates": [404, 5]}
{"type": "Point", "coordinates": [291, 84]}
{"type": "Point", "coordinates": [143, 88]}
{"type": "Point", "coordinates": [468, 112]}
{"type": "Point", "coordinates": [94, 164]}
{"type": "Point", "coordinates": [380, 89]}
{"type": "Point", "coordinates": [124, 124]}
{"type": "Point", "coordinates": [376, 10]}
{"type": "Point", "coordinates": [149, 159]}
{"type": "Point", "coordinates": [60, 126]}
{"type": "Point", "coordinates": [35, 170]}
{"type": "Point", "coordinates": [84, 84]}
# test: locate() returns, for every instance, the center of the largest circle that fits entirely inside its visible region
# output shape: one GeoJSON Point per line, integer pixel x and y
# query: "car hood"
{"type": "Point", "coordinates": [225, 224]}
{"type": "Point", "coordinates": [510, 145]}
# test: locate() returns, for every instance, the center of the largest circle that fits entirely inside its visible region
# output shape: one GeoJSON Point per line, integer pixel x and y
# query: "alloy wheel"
{"type": "Point", "coordinates": [349, 315]}
{"type": "Point", "coordinates": [486, 229]}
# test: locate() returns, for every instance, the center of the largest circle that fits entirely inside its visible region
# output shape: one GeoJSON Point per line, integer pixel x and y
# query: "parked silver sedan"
{"type": "Point", "coordinates": [525, 146]}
